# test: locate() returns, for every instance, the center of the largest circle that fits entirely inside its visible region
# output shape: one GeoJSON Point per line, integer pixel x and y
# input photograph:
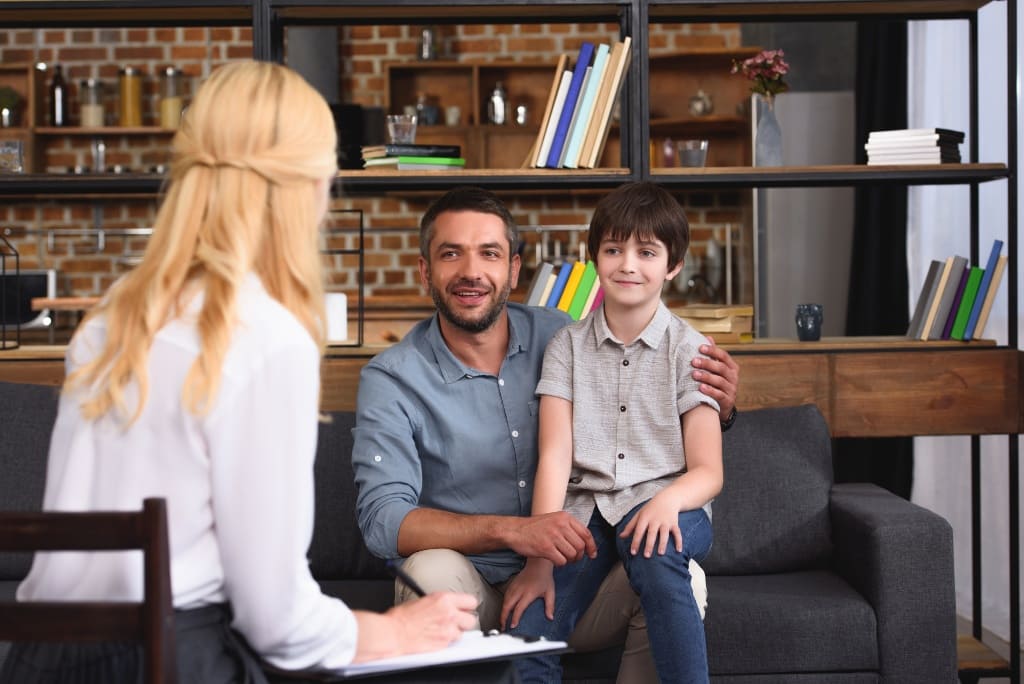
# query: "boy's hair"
{"type": "Point", "coordinates": [642, 209]}
{"type": "Point", "coordinates": [239, 198]}
{"type": "Point", "coordinates": [467, 198]}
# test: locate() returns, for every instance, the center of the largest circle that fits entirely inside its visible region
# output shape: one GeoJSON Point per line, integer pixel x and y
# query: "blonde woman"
{"type": "Point", "coordinates": [197, 379]}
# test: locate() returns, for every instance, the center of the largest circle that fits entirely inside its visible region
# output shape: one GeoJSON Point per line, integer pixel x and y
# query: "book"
{"type": "Point", "coordinates": [920, 142]}
{"type": "Point", "coordinates": [540, 280]}
{"type": "Point", "coordinates": [571, 284]}
{"type": "Point", "coordinates": [946, 133]}
{"type": "Point", "coordinates": [947, 329]}
{"type": "Point", "coordinates": [569, 106]}
{"type": "Point", "coordinates": [713, 310]}
{"type": "Point", "coordinates": [990, 296]}
{"type": "Point", "coordinates": [931, 281]}
{"type": "Point", "coordinates": [603, 122]}
{"type": "Point", "coordinates": [586, 108]}
{"type": "Point", "coordinates": [586, 285]}
{"type": "Point", "coordinates": [986, 279]}
{"type": "Point", "coordinates": [964, 310]}
{"type": "Point", "coordinates": [598, 299]}
{"type": "Point", "coordinates": [948, 285]}
{"type": "Point", "coordinates": [415, 162]}
{"type": "Point", "coordinates": [556, 289]}
{"type": "Point", "coordinates": [556, 110]}
{"type": "Point", "coordinates": [575, 116]}
{"type": "Point", "coordinates": [600, 100]}
{"type": "Point", "coordinates": [532, 159]}
{"type": "Point", "coordinates": [546, 292]}
{"type": "Point", "coordinates": [411, 150]}
{"type": "Point", "coordinates": [595, 293]}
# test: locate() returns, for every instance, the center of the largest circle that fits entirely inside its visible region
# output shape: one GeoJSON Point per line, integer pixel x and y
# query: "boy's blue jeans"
{"type": "Point", "coordinates": [674, 627]}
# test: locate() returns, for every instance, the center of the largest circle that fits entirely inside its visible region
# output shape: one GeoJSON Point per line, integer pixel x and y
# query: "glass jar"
{"type": "Point", "coordinates": [170, 100]}
{"type": "Point", "coordinates": [130, 81]}
{"type": "Point", "coordinates": [90, 96]}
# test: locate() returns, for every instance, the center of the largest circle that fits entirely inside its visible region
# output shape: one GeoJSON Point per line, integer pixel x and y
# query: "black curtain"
{"type": "Point", "coordinates": [878, 264]}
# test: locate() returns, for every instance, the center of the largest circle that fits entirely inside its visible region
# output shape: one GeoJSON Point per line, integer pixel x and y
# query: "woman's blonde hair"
{"type": "Point", "coordinates": [242, 196]}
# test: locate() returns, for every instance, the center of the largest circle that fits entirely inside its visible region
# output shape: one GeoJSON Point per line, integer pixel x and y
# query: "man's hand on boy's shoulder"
{"type": "Point", "coordinates": [719, 376]}
{"type": "Point", "coordinates": [558, 537]}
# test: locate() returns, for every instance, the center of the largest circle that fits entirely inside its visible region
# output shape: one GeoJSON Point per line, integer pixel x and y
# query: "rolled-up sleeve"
{"type": "Point", "coordinates": [388, 471]}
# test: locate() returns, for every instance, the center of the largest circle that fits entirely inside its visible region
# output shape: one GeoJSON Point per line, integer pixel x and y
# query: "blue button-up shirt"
{"type": "Point", "coordinates": [433, 432]}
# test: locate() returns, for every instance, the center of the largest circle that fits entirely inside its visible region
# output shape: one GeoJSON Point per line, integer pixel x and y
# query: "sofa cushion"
{"type": "Point", "coordinates": [773, 512]}
{"type": "Point", "coordinates": [338, 551]}
{"type": "Point", "coordinates": [786, 623]}
{"type": "Point", "coordinates": [27, 414]}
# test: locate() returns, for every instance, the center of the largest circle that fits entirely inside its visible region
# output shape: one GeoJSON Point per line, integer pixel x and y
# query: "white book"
{"type": "Point", "coordinates": [588, 102]}
{"type": "Point", "coordinates": [914, 132]}
{"type": "Point", "coordinates": [898, 161]}
{"type": "Point", "coordinates": [924, 143]}
{"type": "Point", "coordinates": [556, 110]}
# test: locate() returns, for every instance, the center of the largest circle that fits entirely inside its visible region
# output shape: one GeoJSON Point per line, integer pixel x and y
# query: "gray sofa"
{"type": "Point", "coordinates": [808, 581]}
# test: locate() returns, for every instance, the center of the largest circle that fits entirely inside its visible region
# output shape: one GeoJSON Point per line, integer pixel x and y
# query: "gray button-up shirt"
{"type": "Point", "coordinates": [433, 432]}
{"type": "Point", "coordinates": [626, 404]}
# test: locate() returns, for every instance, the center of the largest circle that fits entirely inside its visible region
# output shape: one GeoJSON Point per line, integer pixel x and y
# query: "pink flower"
{"type": "Point", "coordinates": [765, 71]}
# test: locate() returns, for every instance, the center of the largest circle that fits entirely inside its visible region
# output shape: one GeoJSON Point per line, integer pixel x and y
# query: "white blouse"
{"type": "Point", "coordinates": [238, 483]}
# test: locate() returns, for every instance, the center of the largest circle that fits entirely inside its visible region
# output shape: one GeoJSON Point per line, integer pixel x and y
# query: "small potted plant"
{"type": "Point", "coordinates": [10, 106]}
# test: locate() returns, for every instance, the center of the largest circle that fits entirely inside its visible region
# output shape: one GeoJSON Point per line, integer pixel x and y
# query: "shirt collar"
{"type": "Point", "coordinates": [451, 368]}
{"type": "Point", "coordinates": [651, 335]}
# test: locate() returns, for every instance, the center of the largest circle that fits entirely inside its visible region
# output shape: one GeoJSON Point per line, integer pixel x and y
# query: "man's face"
{"type": "Point", "coordinates": [471, 272]}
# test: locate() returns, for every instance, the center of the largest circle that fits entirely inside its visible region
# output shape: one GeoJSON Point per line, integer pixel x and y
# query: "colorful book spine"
{"type": "Point", "coordinates": [964, 312]}
{"type": "Point", "coordinates": [556, 109]}
{"type": "Point", "coordinates": [934, 296]}
{"type": "Point", "coordinates": [587, 283]}
{"type": "Point", "coordinates": [586, 109]}
{"type": "Point", "coordinates": [533, 159]}
{"type": "Point", "coordinates": [537, 285]}
{"type": "Point", "coordinates": [947, 329]}
{"type": "Point", "coordinates": [986, 281]}
{"type": "Point", "coordinates": [572, 95]}
{"type": "Point", "coordinates": [931, 280]}
{"type": "Point", "coordinates": [560, 281]}
{"type": "Point", "coordinates": [946, 294]}
{"type": "Point", "coordinates": [565, 299]}
{"type": "Point", "coordinates": [990, 297]}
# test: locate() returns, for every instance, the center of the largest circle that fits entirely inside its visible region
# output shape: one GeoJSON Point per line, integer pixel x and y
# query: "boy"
{"type": "Point", "coordinates": [624, 425]}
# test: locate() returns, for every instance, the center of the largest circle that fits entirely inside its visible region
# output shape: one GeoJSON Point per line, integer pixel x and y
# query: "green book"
{"type": "Point", "coordinates": [579, 299]}
{"type": "Point", "coordinates": [966, 302]}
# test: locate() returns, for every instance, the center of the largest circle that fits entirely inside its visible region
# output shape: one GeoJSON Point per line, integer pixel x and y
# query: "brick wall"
{"type": "Point", "coordinates": [60, 233]}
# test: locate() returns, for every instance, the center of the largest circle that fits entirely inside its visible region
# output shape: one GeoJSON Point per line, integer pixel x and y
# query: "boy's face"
{"type": "Point", "coordinates": [632, 272]}
{"type": "Point", "coordinates": [471, 272]}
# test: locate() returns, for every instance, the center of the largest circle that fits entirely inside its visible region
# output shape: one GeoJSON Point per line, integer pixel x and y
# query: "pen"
{"type": "Point", "coordinates": [396, 570]}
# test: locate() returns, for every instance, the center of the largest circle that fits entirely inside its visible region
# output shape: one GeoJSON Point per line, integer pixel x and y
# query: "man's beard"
{"type": "Point", "coordinates": [471, 325]}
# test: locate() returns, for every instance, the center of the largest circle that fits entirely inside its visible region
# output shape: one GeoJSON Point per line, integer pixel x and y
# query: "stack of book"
{"type": "Point", "coordinates": [914, 146]}
{"type": "Point", "coordinates": [956, 298]}
{"type": "Point", "coordinates": [579, 109]}
{"type": "Point", "coordinates": [571, 286]}
{"type": "Point", "coordinates": [411, 157]}
{"type": "Point", "coordinates": [725, 322]}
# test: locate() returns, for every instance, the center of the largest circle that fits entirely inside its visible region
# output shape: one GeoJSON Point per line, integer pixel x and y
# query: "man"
{"type": "Point", "coordinates": [446, 432]}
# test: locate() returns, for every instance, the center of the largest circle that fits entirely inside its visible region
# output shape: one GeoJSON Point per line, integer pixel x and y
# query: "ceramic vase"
{"type": "Point", "coordinates": [768, 139]}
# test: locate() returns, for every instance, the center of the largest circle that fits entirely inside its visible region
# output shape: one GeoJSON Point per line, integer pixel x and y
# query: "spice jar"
{"type": "Point", "coordinates": [130, 81]}
{"type": "Point", "coordinates": [170, 100]}
{"type": "Point", "coordinates": [91, 97]}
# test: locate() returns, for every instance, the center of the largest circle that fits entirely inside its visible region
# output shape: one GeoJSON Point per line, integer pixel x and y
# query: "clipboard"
{"type": "Point", "coordinates": [472, 647]}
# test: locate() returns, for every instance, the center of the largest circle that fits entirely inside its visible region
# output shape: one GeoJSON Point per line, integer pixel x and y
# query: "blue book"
{"type": "Point", "coordinates": [586, 109]}
{"type": "Point", "coordinates": [986, 280]}
{"type": "Point", "coordinates": [560, 281]}
{"type": "Point", "coordinates": [571, 97]}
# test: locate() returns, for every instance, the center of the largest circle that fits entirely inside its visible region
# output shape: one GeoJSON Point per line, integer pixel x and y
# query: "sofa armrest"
{"type": "Point", "coordinates": [900, 557]}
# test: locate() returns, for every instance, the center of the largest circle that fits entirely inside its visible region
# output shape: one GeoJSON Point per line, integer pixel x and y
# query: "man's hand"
{"type": "Point", "coordinates": [558, 537]}
{"type": "Point", "coordinates": [719, 376]}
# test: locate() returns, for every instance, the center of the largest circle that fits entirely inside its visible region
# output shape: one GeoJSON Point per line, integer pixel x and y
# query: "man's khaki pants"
{"type": "Point", "coordinates": [614, 618]}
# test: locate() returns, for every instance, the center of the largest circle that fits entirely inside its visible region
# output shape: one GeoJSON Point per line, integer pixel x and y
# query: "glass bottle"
{"type": "Point", "coordinates": [170, 102]}
{"type": "Point", "coordinates": [497, 105]}
{"type": "Point", "coordinates": [130, 82]}
{"type": "Point", "coordinates": [91, 97]}
{"type": "Point", "coordinates": [58, 98]}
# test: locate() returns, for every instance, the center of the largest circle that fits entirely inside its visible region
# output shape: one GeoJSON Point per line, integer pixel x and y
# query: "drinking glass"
{"type": "Point", "coordinates": [401, 129]}
{"type": "Point", "coordinates": [692, 153]}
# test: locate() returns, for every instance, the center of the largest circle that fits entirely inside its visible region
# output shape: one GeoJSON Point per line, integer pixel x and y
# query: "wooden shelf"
{"type": "Point", "coordinates": [103, 131]}
{"type": "Point", "coordinates": [812, 10]}
{"type": "Point", "coordinates": [976, 659]}
{"type": "Point", "coordinates": [819, 176]}
{"type": "Point", "coordinates": [35, 14]}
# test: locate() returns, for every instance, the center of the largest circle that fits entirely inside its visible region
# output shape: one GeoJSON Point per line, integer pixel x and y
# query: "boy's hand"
{"type": "Point", "coordinates": [533, 582]}
{"type": "Point", "coordinates": [657, 520]}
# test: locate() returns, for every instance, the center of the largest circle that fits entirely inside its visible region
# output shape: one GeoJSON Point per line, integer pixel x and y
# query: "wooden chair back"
{"type": "Point", "coordinates": [151, 621]}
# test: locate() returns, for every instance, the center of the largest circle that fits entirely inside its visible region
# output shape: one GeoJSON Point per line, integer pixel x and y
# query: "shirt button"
{"type": "Point", "coordinates": [515, 433]}
{"type": "Point", "coordinates": [625, 362]}
{"type": "Point", "coordinates": [501, 382]}
{"type": "Point", "coordinates": [522, 484]}
{"type": "Point", "coordinates": [622, 409]}
{"type": "Point", "coordinates": [377, 458]}
{"type": "Point", "coordinates": [622, 456]}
